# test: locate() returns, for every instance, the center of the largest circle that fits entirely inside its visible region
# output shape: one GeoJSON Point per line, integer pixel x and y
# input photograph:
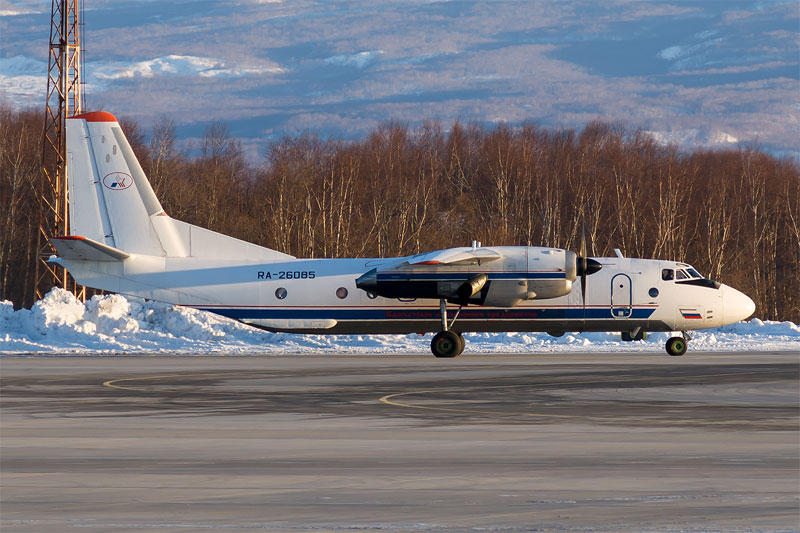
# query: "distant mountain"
{"type": "Point", "coordinates": [703, 73]}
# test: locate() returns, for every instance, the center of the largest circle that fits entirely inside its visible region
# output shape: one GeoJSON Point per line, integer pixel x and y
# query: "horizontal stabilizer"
{"type": "Point", "coordinates": [456, 256]}
{"type": "Point", "coordinates": [79, 248]}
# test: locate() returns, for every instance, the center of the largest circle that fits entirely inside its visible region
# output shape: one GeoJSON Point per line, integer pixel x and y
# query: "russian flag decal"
{"type": "Point", "coordinates": [691, 314]}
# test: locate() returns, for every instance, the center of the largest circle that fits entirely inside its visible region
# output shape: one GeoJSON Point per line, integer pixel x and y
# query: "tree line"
{"type": "Point", "coordinates": [734, 214]}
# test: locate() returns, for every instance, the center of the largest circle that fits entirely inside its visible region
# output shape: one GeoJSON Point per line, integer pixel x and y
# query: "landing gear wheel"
{"type": "Point", "coordinates": [677, 346]}
{"type": "Point", "coordinates": [446, 344]}
{"type": "Point", "coordinates": [461, 343]}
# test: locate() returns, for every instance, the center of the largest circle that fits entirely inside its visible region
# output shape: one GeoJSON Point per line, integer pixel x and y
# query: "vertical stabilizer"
{"type": "Point", "coordinates": [111, 200]}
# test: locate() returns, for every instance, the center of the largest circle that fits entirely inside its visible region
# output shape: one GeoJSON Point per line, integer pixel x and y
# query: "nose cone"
{"type": "Point", "coordinates": [737, 305]}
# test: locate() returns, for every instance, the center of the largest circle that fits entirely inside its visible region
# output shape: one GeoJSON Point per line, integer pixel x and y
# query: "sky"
{"type": "Point", "coordinates": [700, 73]}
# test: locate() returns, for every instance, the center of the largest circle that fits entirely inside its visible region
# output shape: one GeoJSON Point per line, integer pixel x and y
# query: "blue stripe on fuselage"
{"type": "Point", "coordinates": [558, 313]}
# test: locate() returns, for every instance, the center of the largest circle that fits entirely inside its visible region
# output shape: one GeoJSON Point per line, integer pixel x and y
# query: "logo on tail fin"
{"type": "Point", "coordinates": [117, 181]}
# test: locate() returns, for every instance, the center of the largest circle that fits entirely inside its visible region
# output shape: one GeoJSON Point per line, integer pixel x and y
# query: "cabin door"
{"type": "Point", "coordinates": [621, 296]}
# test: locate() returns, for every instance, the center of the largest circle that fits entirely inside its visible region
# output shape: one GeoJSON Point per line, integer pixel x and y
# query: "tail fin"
{"type": "Point", "coordinates": [112, 203]}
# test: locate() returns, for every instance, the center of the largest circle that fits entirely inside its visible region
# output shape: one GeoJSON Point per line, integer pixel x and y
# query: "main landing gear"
{"type": "Point", "coordinates": [447, 343]}
{"type": "Point", "coordinates": [678, 345]}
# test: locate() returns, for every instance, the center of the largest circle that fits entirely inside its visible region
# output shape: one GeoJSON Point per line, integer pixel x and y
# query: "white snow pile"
{"type": "Point", "coordinates": [60, 324]}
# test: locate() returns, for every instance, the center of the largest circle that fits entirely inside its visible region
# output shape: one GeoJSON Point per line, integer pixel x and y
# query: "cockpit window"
{"type": "Point", "coordinates": [682, 274]}
{"type": "Point", "coordinates": [693, 273]}
{"type": "Point", "coordinates": [667, 274]}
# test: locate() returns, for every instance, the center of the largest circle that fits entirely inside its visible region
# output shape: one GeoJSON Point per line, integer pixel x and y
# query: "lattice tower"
{"type": "Point", "coordinates": [64, 99]}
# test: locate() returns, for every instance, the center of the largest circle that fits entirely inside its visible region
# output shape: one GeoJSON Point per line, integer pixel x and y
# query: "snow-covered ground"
{"type": "Point", "coordinates": [59, 324]}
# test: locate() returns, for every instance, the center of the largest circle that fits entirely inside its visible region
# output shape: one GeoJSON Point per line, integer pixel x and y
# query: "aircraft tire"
{"type": "Point", "coordinates": [461, 343]}
{"type": "Point", "coordinates": [677, 346]}
{"type": "Point", "coordinates": [446, 344]}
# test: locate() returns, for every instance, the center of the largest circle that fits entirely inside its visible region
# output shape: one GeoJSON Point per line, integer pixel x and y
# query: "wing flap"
{"type": "Point", "coordinates": [79, 248]}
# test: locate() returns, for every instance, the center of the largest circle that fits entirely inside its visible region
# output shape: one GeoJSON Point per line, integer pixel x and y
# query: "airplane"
{"type": "Point", "coordinates": [121, 240]}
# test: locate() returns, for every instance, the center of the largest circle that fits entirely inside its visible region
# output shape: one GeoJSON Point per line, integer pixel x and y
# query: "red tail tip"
{"type": "Point", "coordinates": [97, 116]}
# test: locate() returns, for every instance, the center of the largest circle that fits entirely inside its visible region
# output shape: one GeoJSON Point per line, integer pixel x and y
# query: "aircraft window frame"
{"type": "Point", "coordinates": [341, 293]}
{"type": "Point", "coordinates": [281, 293]}
{"type": "Point", "coordinates": [694, 273]}
{"type": "Point", "coordinates": [681, 275]}
{"type": "Point", "coordinates": [667, 274]}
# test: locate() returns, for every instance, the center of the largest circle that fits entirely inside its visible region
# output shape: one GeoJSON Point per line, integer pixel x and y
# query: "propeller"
{"type": "Point", "coordinates": [585, 265]}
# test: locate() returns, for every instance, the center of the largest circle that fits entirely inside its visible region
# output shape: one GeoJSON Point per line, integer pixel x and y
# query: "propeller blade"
{"type": "Point", "coordinates": [583, 239]}
{"type": "Point", "coordinates": [583, 263]}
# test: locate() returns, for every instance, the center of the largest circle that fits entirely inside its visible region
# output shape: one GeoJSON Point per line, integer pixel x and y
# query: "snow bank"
{"type": "Point", "coordinates": [59, 324]}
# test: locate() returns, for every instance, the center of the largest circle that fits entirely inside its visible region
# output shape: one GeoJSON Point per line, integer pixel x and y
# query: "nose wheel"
{"type": "Point", "coordinates": [447, 343]}
{"type": "Point", "coordinates": [677, 345]}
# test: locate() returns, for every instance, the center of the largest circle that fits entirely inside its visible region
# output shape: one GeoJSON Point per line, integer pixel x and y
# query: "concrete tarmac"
{"type": "Point", "coordinates": [598, 442]}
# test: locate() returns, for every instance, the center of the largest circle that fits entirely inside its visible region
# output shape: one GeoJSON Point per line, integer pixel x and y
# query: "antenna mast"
{"type": "Point", "coordinates": [64, 99]}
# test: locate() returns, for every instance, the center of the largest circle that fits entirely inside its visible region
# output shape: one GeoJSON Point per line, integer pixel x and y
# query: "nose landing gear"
{"type": "Point", "coordinates": [447, 343]}
{"type": "Point", "coordinates": [678, 345]}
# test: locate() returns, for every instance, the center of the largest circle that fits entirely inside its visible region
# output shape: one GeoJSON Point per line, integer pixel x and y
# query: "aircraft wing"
{"type": "Point", "coordinates": [456, 256]}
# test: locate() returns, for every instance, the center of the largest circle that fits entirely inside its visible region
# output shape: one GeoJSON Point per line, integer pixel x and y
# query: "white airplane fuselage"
{"type": "Point", "coordinates": [619, 297]}
{"type": "Point", "coordinates": [123, 241]}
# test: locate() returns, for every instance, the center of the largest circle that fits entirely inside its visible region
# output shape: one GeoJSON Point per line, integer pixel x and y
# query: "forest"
{"type": "Point", "coordinates": [734, 214]}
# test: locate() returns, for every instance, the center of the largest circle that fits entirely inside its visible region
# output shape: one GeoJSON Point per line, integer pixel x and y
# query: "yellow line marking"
{"type": "Point", "coordinates": [388, 401]}
{"type": "Point", "coordinates": [112, 383]}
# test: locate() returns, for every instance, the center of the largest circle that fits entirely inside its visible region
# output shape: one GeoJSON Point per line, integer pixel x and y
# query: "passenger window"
{"type": "Point", "coordinates": [667, 274]}
{"type": "Point", "coordinates": [682, 275]}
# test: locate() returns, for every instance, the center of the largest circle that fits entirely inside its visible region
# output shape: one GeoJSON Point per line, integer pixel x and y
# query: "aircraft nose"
{"type": "Point", "coordinates": [737, 305]}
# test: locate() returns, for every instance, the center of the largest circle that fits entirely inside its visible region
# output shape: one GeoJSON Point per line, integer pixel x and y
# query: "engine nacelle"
{"type": "Point", "coordinates": [552, 272]}
{"type": "Point", "coordinates": [506, 293]}
{"type": "Point", "coordinates": [543, 259]}
{"type": "Point", "coordinates": [512, 275]}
